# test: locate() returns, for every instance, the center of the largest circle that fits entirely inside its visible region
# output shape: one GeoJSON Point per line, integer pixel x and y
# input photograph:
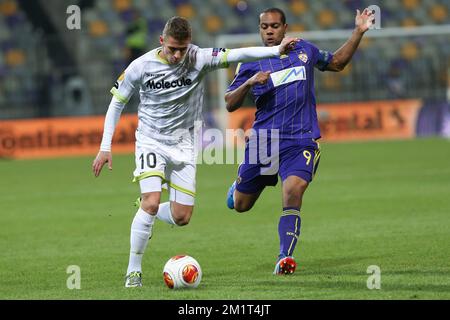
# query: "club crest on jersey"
{"type": "Point", "coordinates": [303, 57]}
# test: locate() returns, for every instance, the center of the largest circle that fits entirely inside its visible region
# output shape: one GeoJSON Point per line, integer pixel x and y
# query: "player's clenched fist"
{"type": "Point", "coordinates": [259, 78]}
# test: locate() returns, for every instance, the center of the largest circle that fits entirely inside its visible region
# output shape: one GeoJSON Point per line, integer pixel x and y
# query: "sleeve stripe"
{"type": "Point", "coordinates": [224, 59]}
{"type": "Point", "coordinates": [116, 94]}
{"type": "Point", "coordinates": [238, 68]}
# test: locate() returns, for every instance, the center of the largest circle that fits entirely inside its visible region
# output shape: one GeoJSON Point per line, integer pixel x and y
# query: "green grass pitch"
{"type": "Point", "coordinates": [373, 203]}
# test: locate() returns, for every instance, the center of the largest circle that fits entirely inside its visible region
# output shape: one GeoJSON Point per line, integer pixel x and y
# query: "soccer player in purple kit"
{"type": "Point", "coordinates": [283, 91]}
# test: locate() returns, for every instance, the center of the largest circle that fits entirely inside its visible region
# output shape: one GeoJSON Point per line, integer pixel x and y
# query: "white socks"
{"type": "Point", "coordinates": [141, 231]}
{"type": "Point", "coordinates": [165, 214]}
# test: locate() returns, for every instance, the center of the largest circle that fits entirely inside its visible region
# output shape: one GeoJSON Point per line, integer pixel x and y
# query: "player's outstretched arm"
{"type": "Point", "coordinates": [343, 55]}
{"type": "Point", "coordinates": [254, 53]}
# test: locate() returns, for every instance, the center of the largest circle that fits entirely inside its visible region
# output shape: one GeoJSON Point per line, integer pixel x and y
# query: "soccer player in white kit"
{"type": "Point", "coordinates": [170, 83]}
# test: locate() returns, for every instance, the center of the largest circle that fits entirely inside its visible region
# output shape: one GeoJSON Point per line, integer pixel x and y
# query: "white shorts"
{"type": "Point", "coordinates": [166, 164]}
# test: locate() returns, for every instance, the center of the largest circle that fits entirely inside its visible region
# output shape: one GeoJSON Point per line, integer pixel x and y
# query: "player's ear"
{"type": "Point", "coordinates": [161, 40]}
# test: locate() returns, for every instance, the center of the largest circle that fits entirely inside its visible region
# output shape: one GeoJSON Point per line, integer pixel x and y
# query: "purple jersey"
{"type": "Point", "coordinates": [287, 101]}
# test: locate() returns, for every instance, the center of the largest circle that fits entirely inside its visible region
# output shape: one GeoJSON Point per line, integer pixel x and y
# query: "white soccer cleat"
{"type": "Point", "coordinates": [133, 279]}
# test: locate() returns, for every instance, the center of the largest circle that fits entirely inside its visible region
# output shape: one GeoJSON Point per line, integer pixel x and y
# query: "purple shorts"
{"type": "Point", "coordinates": [296, 157]}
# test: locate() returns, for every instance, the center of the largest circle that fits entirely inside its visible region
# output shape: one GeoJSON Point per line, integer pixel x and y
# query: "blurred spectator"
{"type": "Point", "coordinates": [395, 78]}
{"type": "Point", "coordinates": [119, 31]}
{"type": "Point", "coordinates": [136, 36]}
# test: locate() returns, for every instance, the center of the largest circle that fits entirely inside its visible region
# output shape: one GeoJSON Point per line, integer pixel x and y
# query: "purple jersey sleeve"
{"type": "Point", "coordinates": [243, 73]}
{"type": "Point", "coordinates": [322, 58]}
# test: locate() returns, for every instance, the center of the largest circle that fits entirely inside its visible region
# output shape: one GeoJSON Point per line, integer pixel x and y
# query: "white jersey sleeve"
{"type": "Point", "coordinates": [112, 118]}
{"type": "Point", "coordinates": [122, 91]}
{"type": "Point", "coordinates": [127, 82]}
{"type": "Point", "coordinates": [213, 58]}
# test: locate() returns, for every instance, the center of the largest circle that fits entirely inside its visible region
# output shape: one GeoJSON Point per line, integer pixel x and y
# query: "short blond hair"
{"type": "Point", "coordinates": [178, 28]}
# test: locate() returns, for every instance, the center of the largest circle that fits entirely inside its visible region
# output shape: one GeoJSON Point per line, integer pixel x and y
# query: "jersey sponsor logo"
{"type": "Point", "coordinates": [163, 84]}
{"type": "Point", "coordinates": [288, 75]}
{"type": "Point", "coordinates": [216, 51]}
{"type": "Point", "coordinates": [154, 75]}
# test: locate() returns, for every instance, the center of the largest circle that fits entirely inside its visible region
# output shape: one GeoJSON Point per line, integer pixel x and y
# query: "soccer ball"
{"type": "Point", "coordinates": [182, 272]}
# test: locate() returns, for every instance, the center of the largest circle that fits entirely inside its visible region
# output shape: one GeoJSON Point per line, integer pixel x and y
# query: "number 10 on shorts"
{"type": "Point", "coordinates": [147, 160]}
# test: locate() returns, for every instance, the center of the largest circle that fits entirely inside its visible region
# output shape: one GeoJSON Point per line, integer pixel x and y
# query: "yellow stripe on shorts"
{"type": "Point", "coordinates": [150, 174]}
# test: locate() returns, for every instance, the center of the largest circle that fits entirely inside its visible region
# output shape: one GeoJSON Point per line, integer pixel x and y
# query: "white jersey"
{"type": "Point", "coordinates": [171, 96]}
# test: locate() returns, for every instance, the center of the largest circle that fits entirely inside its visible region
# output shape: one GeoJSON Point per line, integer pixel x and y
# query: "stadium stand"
{"type": "Point", "coordinates": [29, 82]}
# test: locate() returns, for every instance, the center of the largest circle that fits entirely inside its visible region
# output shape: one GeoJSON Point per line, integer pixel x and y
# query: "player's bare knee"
{"type": "Point", "coordinates": [303, 184]}
{"type": "Point", "coordinates": [242, 206]}
{"type": "Point", "coordinates": [150, 208]}
{"type": "Point", "coordinates": [150, 204]}
{"type": "Point", "coordinates": [297, 187]}
{"type": "Point", "coordinates": [293, 195]}
{"type": "Point", "coordinates": [182, 215]}
{"type": "Point", "coordinates": [182, 221]}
